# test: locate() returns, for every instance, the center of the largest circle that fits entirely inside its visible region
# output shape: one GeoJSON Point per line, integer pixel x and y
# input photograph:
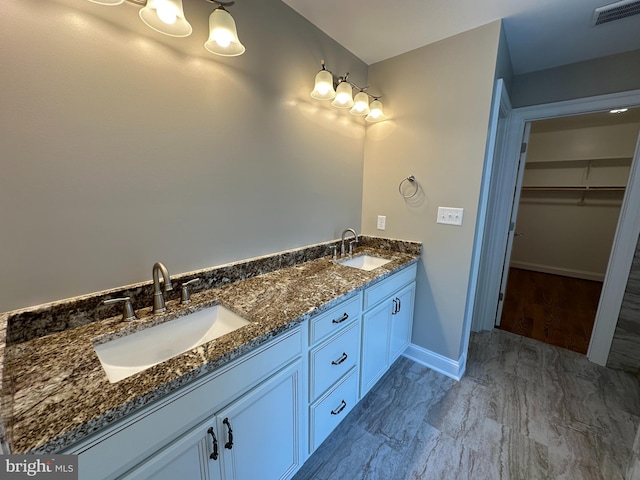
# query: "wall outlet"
{"type": "Point", "coordinates": [450, 215]}
{"type": "Point", "coordinates": [382, 222]}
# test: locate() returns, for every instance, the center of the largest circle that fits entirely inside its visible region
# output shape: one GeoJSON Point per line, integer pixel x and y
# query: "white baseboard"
{"type": "Point", "coordinates": [565, 272]}
{"type": "Point", "coordinates": [451, 368]}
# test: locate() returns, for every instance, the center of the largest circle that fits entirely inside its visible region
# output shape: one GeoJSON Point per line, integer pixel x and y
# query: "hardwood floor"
{"type": "Point", "coordinates": [551, 308]}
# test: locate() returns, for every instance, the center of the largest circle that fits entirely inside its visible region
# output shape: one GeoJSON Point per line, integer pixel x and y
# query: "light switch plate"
{"type": "Point", "coordinates": [382, 222]}
{"type": "Point", "coordinates": [450, 215]}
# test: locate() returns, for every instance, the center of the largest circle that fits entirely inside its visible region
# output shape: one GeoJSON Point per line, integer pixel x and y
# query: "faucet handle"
{"type": "Point", "coordinates": [335, 251]}
{"type": "Point", "coordinates": [185, 297]}
{"type": "Point", "coordinates": [351, 246]}
{"type": "Point", "coordinates": [128, 313]}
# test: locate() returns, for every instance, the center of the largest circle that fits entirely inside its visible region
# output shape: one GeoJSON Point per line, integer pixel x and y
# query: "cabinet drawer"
{"type": "Point", "coordinates": [329, 411]}
{"type": "Point", "coordinates": [335, 319]}
{"type": "Point", "coordinates": [382, 290]}
{"type": "Point", "coordinates": [333, 359]}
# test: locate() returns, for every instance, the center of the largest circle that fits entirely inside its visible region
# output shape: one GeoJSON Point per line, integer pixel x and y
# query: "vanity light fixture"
{"type": "Point", "coordinates": [342, 95]}
{"type": "Point", "coordinates": [323, 88]}
{"type": "Point", "coordinates": [223, 36]}
{"type": "Point", "coordinates": [360, 104]}
{"type": "Point", "coordinates": [376, 114]}
{"type": "Point", "coordinates": [167, 17]}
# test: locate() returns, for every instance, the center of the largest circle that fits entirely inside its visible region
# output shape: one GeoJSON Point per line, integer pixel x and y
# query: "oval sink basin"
{"type": "Point", "coordinates": [364, 262]}
{"type": "Point", "coordinates": [134, 353]}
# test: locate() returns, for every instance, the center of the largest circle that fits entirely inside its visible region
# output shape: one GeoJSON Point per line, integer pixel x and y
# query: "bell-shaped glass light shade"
{"type": "Point", "coordinates": [323, 89]}
{"type": "Point", "coordinates": [344, 96]}
{"type": "Point", "coordinates": [166, 16]}
{"type": "Point", "coordinates": [360, 105]}
{"type": "Point", "coordinates": [376, 114]}
{"type": "Point", "coordinates": [223, 36]}
{"type": "Point", "coordinates": [107, 2]}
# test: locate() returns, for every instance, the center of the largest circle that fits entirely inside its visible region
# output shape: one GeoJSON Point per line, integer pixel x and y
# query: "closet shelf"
{"type": "Point", "coordinates": [574, 188]}
{"type": "Point", "coordinates": [577, 162]}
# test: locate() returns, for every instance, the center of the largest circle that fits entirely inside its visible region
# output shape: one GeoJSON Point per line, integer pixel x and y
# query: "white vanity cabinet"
{"type": "Point", "coordinates": [260, 397]}
{"type": "Point", "coordinates": [262, 414]}
{"type": "Point", "coordinates": [334, 359]}
{"type": "Point", "coordinates": [256, 436]}
{"type": "Point", "coordinates": [386, 325]}
{"type": "Point", "coordinates": [401, 321]}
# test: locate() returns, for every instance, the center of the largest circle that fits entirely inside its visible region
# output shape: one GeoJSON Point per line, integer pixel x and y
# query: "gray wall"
{"type": "Point", "coordinates": [504, 69]}
{"type": "Point", "coordinates": [616, 73]}
{"type": "Point", "coordinates": [122, 146]}
{"type": "Point", "coordinates": [439, 97]}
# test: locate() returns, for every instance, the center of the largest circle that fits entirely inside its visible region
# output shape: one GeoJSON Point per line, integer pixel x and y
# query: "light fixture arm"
{"type": "Point", "coordinates": [221, 4]}
{"type": "Point", "coordinates": [363, 89]}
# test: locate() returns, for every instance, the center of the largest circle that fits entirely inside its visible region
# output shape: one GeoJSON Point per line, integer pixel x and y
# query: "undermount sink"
{"type": "Point", "coordinates": [134, 353]}
{"type": "Point", "coordinates": [364, 262]}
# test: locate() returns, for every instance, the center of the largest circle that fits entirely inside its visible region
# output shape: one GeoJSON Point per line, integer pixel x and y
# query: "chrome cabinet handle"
{"type": "Point", "coordinates": [229, 444]}
{"type": "Point", "coordinates": [342, 406]}
{"type": "Point", "coordinates": [341, 319]}
{"type": "Point", "coordinates": [214, 454]}
{"type": "Point", "coordinates": [342, 358]}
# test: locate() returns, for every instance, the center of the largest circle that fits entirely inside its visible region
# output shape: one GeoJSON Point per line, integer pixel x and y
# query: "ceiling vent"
{"type": "Point", "coordinates": [615, 11]}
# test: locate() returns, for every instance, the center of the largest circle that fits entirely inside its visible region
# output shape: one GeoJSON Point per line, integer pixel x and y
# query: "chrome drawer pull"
{"type": "Point", "coordinates": [341, 319]}
{"type": "Point", "coordinates": [340, 360]}
{"type": "Point", "coordinates": [342, 406]}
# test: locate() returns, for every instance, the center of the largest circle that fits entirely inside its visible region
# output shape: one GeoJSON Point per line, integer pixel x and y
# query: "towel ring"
{"type": "Point", "coordinates": [411, 179]}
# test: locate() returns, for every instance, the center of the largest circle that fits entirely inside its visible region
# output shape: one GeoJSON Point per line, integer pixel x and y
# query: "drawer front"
{"type": "Point", "coordinates": [335, 319]}
{"type": "Point", "coordinates": [332, 359]}
{"type": "Point", "coordinates": [329, 411]}
{"type": "Point", "coordinates": [382, 290]}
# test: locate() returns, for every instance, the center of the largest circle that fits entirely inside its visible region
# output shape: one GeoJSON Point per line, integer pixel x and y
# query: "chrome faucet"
{"type": "Point", "coordinates": [158, 297]}
{"type": "Point", "coordinates": [344, 234]}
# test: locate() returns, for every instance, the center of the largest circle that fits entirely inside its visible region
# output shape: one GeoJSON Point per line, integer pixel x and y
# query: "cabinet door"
{"type": "Point", "coordinates": [375, 341]}
{"type": "Point", "coordinates": [401, 321]}
{"type": "Point", "coordinates": [260, 432]}
{"type": "Point", "coordinates": [186, 458]}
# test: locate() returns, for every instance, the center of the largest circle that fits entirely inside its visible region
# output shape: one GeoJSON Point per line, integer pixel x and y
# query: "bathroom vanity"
{"type": "Point", "coordinates": [253, 403]}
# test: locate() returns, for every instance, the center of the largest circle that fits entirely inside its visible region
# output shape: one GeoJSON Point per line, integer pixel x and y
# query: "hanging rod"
{"type": "Point", "coordinates": [574, 188]}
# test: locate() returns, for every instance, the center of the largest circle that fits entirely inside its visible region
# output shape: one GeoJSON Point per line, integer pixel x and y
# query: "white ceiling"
{"type": "Point", "coordinates": [540, 33]}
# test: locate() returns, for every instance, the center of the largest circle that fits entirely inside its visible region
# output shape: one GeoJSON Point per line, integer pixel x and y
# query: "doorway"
{"type": "Point", "coordinates": [571, 193]}
{"type": "Point", "coordinates": [496, 207]}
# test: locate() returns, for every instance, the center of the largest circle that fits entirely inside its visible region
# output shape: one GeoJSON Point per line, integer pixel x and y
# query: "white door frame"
{"type": "Point", "coordinates": [628, 229]}
{"type": "Point", "coordinates": [484, 293]}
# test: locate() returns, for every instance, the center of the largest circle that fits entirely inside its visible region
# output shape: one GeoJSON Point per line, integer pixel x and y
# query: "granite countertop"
{"type": "Point", "coordinates": [58, 392]}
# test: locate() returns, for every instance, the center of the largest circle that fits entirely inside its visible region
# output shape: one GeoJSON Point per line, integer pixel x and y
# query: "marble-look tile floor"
{"type": "Point", "coordinates": [524, 410]}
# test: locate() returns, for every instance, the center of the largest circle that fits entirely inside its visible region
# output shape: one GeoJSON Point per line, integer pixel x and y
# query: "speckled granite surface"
{"type": "Point", "coordinates": [55, 392]}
